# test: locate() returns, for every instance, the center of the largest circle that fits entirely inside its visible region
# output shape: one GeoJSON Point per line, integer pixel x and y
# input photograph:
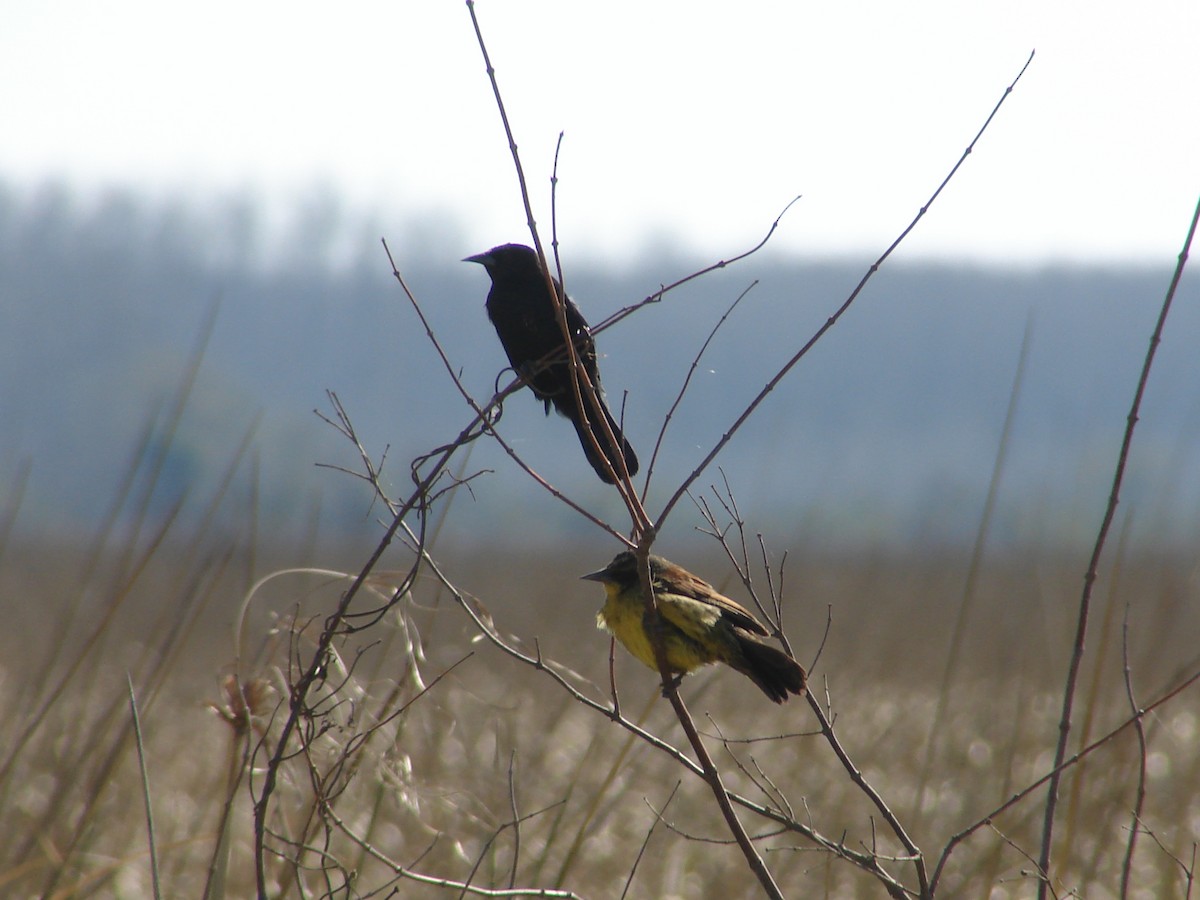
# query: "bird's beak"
{"type": "Point", "coordinates": [601, 576]}
{"type": "Point", "coordinates": [484, 259]}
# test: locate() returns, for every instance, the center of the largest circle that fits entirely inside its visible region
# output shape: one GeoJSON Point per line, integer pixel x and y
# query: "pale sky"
{"type": "Point", "coordinates": [689, 124]}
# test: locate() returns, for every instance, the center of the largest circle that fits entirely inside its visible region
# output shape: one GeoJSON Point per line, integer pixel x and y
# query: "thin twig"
{"type": "Point", "coordinates": [1188, 869]}
{"type": "Point", "coordinates": [516, 817]}
{"type": "Point", "coordinates": [1140, 730]}
{"type": "Point", "coordinates": [141, 755]}
{"type": "Point", "coordinates": [833, 319]}
{"type": "Point", "coordinates": [464, 886]}
{"type": "Point", "coordinates": [1089, 578]}
{"type": "Point", "coordinates": [687, 379]}
{"type": "Point", "coordinates": [1054, 773]}
{"type": "Point", "coordinates": [699, 273]}
{"type": "Point", "coordinates": [872, 794]}
{"type": "Point", "coordinates": [658, 814]}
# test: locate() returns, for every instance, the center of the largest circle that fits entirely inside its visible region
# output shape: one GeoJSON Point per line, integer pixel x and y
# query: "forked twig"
{"type": "Point", "coordinates": [658, 817]}
{"type": "Point", "coordinates": [699, 273]}
{"type": "Point", "coordinates": [687, 380]}
{"type": "Point", "coordinates": [1053, 774]}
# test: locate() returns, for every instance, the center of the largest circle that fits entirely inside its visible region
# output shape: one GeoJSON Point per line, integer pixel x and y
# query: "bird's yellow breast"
{"type": "Point", "coordinates": [692, 635]}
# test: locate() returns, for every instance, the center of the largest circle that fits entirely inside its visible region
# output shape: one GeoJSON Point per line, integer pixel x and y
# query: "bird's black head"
{"type": "Point", "coordinates": [507, 258]}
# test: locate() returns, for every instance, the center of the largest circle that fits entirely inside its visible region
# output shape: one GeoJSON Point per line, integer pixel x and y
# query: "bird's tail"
{"type": "Point", "coordinates": [776, 673]}
{"type": "Point", "coordinates": [596, 460]}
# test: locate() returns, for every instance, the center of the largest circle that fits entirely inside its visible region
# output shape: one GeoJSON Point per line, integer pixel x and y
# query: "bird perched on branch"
{"type": "Point", "coordinates": [698, 626]}
{"type": "Point", "coordinates": [523, 312]}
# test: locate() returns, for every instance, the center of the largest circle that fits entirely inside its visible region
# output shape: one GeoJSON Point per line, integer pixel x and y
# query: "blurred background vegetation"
{"type": "Point", "coordinates": [885, 436]}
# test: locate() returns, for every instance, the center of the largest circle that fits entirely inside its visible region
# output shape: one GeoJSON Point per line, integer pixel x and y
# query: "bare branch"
{"type": "Point", "coordinates": [1016, 798]}
{"type": "Point", "coordinates": [1089, 578]}
{"type": "Point", "coordinates": [832, 320]}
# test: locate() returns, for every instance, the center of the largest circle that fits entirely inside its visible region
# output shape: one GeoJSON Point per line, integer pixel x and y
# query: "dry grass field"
{"type": "Point", "coordinates": [433, 759]}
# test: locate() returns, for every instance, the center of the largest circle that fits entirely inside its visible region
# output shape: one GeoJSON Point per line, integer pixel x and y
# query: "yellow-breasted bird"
{"type": "Point", "coordinates": [699, 626]}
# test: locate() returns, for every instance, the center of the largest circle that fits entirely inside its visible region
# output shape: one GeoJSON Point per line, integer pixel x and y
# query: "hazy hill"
{"type": "Point", "coordinates": [887, 431]}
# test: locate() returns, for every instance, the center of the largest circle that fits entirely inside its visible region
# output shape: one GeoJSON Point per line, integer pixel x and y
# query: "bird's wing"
{"type": "Point", "coordinates": [699, 591]}
{"type": "Point", "coordinates": [693, 617]}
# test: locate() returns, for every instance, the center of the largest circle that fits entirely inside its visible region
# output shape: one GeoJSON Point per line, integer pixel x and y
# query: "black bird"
{"type": "Point", "coordinates": [520, 306]}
